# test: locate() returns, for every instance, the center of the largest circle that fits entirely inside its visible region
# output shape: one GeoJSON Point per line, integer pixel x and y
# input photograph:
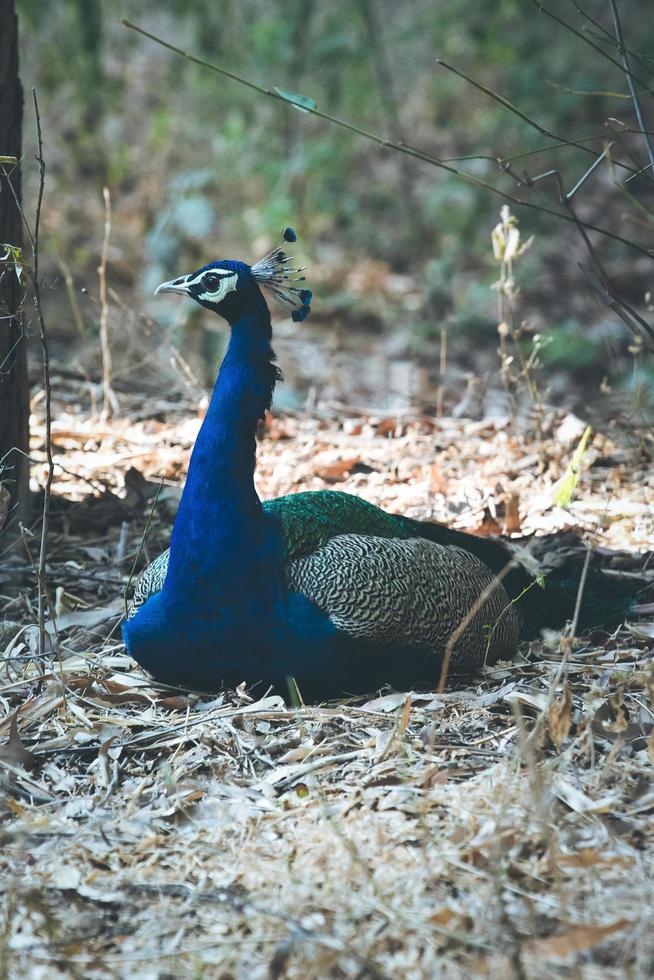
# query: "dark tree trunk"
{"type": "Point", "coordinates": [14, 391]}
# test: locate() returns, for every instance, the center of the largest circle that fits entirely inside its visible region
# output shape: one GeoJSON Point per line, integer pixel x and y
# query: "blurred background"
{"type": "Point", "coordinates": [401, 262]}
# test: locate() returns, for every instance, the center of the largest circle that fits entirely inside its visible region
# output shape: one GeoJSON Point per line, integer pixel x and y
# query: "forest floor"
{"type": "Point", "coordinates": [499, 828]}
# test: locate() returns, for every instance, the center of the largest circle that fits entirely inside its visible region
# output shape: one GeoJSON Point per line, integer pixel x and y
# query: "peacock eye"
{"type": "Point", "coordinates": [211, 282]}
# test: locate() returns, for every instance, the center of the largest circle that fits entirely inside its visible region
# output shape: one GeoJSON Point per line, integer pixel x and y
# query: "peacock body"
{"type": "Point", "coordinates": [379, 581]}
{"type": "Point", "coordinates": [321, 587]}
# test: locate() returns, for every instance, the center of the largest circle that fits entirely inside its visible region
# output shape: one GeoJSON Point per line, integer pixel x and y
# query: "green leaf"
{"type": "Point", "coordinates": [298, 101]}
{"type": "Point", "coordinates": [568, 483]}
{"type": "Point", "coordinates": [13, 255]}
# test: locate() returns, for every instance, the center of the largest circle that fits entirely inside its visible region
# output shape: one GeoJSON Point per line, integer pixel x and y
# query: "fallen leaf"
{"type": "Point", "coordinates": [579, 801]}
{"type": "Point", "coordinates": [66, 878]}
{"type": "Point", "coordinates": [388, 427]}
{"type": "Point", "coordinates": [88, 618]}
{"type": "Point", "coordinates": [575, 940]}
{"type": "Point", "coordinates": [334, 472]}
{"type": "Point", "coordinates": [438, 482]}
{"type": "Point", "coordinates": [559, 718]}
{"type": "Point", "coordinates": [642, 631]}
{"type": "Point", "coordinates": [589, 857]}
{"type": "Point", "coordinates": [5, 500]}
{"type": "Point", "coordinates": [489, 526]}
{"type": "Point", "coordinates": [406, 715]}
{"type": "Point", "coordinates": [512, 514]}
{"type": "Point", "coordinates": [387, 703]}
{"type": "Point", "coordinates": [14, 752]}
{"type": "Point", "coordinates": [650, 746]}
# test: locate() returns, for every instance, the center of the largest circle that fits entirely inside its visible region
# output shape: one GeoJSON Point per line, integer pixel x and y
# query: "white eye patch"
{"type": "Point", "coordinates": [216, 284]}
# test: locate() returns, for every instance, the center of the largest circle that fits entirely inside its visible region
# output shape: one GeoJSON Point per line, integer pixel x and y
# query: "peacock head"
{"type": "Point", "coordinates": [228, 287]}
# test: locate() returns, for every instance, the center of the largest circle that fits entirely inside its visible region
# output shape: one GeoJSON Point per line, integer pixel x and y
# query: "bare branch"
{"type": "Point", "coordinates": [578, 144]}
{"type": "Point", "coordinates": [630, 80]}
{"type": "Point", "coordinates": [34, 275]}
{"type": "Point", "coordinates": [104, 309]}
{"type": "Point", "coordinates": [389, 144]}
{"type": "Point", "coordinates": [586, 40]}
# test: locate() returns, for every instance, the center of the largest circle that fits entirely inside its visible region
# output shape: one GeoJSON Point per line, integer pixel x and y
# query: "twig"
{"type": "Point", "coordinates": [621, 308]}
{"type": "Point", "coordinates": [580, 591]}
{"type": "Point", "coordinates": [41, 576]}
{"type": "Point", "coordinates": [472, 611]}
{"type": "Point", "coordinates": [610, 38]}
{"type": "Point", "coordinates": [412, 151]}
{"type": "Point", "coordinates": [141, 544]}
{"type": "Point", "coordinates": [582, 37]}
{"type": "Point", "coordinates": [559, 144]}
{"type": "Point", "coordinates": [629, 317]}
{"type": "Point", "coordinates": [104, 309]}
{"type": "Point", "coordinates": [582, 180]}
{"type": "Point", "coordinates": [579, 145]}
{"type": "Point", "coordinates": [630, 79]}
{"type": "Point", "coordinates": [442, 372]}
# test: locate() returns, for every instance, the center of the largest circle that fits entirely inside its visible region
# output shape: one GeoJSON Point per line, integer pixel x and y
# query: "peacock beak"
{"type": "Point", "coordinates": [174, 286]}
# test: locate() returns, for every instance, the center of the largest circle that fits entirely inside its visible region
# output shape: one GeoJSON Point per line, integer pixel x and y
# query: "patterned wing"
{"type": "Point", "coordinates": [308, 520]}
{"type": "Point", "coordinates": [412, 593]}
{"type": "Point", "coordinates": [150, 581]}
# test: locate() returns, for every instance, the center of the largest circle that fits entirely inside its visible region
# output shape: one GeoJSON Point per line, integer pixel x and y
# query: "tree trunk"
{"type": "Point", "coordinates": [14, 390]}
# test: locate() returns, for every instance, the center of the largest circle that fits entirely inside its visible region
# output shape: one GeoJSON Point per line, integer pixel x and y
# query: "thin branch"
{"type": "Point", "coordinates": [580, 592]}
{"type": "Point", "coordinates": [543, 149]}
{"type": "Point", "coordinates": [469, 616]}
{"type": "Point", "coordinates": [137, 556]}
{"type": "Point", "coordinates": [496, 97]}
{"type": "Point", "coordinates": [610, 39]}
{"type": "Point", "coordinates": [41, 576]}
{"type": "Point", "coordinates": [582, 180]}
{"type": "Point", "coordinates": [630, 81]}
{"type": "Point", "coordinates": [104, 309]}
{"type": "Point", "coordinates": [629, 317]}
{"type": "Point", "coordinates": [636, 323]}
{"type": "Point", "coordinates": [586, 40]}
{"type": "Point", "coordinates": [388, 144]}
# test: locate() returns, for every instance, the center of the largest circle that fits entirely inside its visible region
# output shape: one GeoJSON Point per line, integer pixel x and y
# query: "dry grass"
{"type": "Point", "coordinates": [503, 829]}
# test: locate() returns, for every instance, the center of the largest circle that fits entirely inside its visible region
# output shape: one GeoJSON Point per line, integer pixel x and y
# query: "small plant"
{"type": "Point", "coordinates": [517, 370]}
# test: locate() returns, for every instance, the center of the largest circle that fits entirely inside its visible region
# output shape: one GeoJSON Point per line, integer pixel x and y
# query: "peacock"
{"type": "Point", "coordinates": [319, 589]}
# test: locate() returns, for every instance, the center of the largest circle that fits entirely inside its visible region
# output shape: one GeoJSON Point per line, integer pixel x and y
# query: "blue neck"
{"type": "Point", "coordinates": [219, 523]}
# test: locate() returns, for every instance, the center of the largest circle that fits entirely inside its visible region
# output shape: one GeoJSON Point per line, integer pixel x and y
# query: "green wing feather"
{"type": "Point", "coordinates": [310, 519]}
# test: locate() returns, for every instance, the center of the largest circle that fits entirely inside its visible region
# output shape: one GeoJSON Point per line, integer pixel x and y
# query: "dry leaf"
{"type": "Point", "coordinates": [642, 631]}
{"type": "Point", "coordinates": [335, 472]}
{"type": "Point", "coordinates": [406, 714]}
{"type": "Point", "coordinates": [590, 857]}
{"type": "Point", "coordinates": [489, 526]}
{"type": "Point", "coordinates": [581, 802]}
{"type": "Point", "coordinates": [14, 752]}
{"type": "Point", "coordinates": [559, 718]}
{"type": "Point", "coordinates": [512, 514]}
{"type": "Point", "coordinates": [5, 500]}
{"type": "Point", "coordinates": [575, 940]}
{"type": "Point", "coordinates": [438, 482]}
{"type": "Point", "coordinates": [388, 427]}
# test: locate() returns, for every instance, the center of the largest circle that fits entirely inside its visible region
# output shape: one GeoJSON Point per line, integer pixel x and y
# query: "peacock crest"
{"type": "Point", "coordinates": [275, 273]}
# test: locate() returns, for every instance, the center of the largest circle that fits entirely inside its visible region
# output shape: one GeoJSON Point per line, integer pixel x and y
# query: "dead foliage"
{"type": "Point", "coordinates": [501, 829]}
